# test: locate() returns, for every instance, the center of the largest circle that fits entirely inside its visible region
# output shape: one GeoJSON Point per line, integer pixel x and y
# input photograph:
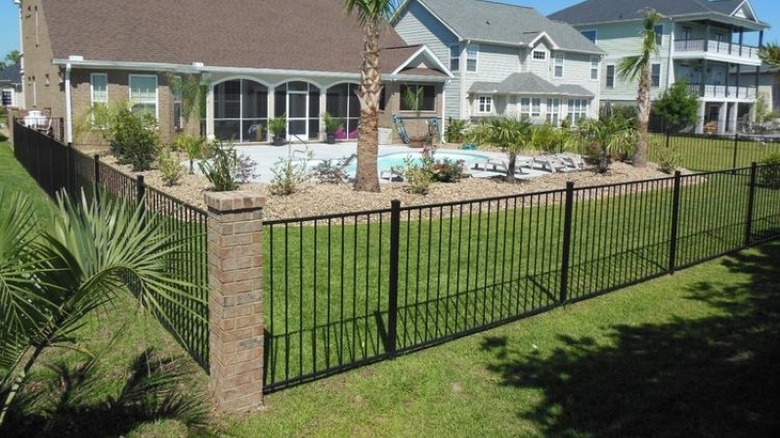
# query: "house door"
{"type": "Point", "coordinates": [297, 111]}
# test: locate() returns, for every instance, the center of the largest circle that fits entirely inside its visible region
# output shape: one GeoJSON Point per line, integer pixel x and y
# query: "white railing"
{"type": "Point", "coordinates": [714, 46]}
{"type": "Point", "coordinates": [712, 90]}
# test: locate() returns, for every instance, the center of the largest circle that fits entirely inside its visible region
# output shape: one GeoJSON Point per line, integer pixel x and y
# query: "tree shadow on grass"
{"type": "Point", "coordinates": [713, 376]}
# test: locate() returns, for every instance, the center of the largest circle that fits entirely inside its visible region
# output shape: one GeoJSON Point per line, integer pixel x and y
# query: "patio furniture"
{"type": "Point", "coordinates": [398, 123]}
{"type": "Point", "coordinates": [393, 175]}
{"type": "Point", "coordinates": [550, 163]}
{"type": "Point", "coordinates": [573, 161]}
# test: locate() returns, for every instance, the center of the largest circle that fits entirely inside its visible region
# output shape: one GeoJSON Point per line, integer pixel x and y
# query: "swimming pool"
{"type": "Point", "coordinates": [398, 160]}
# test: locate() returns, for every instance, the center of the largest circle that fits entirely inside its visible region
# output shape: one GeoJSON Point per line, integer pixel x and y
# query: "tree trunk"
{"type": "Point", "coordinates": [366, 178]}
{"type": "Point", "coordinates": [643, 117]}
{"type": "Point", "coordinates": [510, 168]}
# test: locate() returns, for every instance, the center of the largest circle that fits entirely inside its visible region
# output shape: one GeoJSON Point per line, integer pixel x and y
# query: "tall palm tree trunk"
{"type": "Point", "coordinates": [643, 118]}
{"type": "Point", "coordinates": [366, 178]}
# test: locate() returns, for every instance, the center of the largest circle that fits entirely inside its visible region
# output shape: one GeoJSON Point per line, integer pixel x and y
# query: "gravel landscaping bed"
{"type": "Point", "coordinates": [320, 199]}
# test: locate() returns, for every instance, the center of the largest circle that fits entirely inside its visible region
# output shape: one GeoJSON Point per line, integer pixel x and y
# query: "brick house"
{"type": "Point", "coordinates": [298, 58]}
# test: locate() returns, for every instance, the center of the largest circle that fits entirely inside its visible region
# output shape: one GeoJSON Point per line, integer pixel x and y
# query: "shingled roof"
{"type": "Point", "coordinates": [487, 21]}
{"type": "Point", "coordinates": [11, 74]}
{"type": "Point", "coordinates": [604, 11]}
{"type": "Point", "coordinates": [530, 84]}
{"type": "Point", "coordinates": [307, 35]}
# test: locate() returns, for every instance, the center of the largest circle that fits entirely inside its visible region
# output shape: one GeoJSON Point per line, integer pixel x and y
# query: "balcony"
{"type": "Point", "coordinates": [716, 50]}
{"type": "Point", "coordinates": [723, 91]}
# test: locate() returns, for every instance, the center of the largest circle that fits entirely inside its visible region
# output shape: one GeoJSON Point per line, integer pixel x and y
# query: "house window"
{"type": "Point", "coordinates": [428, 97]}
{"type": "Point", "coordinates": [536, 108]}
{"type": "Point", "coordinates": [553, 111]}
{"type": "Point", "coordinates": [143, 94]}
{"type": "Point", "coordinates": [455, 58]}
{"type": "Point", "coordinates": [540, 54]}
{"type": "Point", "coordinates": [525, 108]}
{"type": "Point", "coordinates": [594, 68]}
{"type": "Point", "coordinates": [578, 110]}
{"type": "Point", "coordinates": [559, 58]}
{"type": "Point", "coordinates": [7, 99]}
{"type": "Point", "coordinates": [610, 76]}
{"type": "Point", "coordinates": [471, 60]}
{"type": "Point", "coordinates": [589, 34]}
{"type": "Point", "coordinates": [99, 83]}
{"type": "Point", "coordinates": [655, 75]}
{"type": "Point", "coordinates": [659, 34]}
{"type": "Point", "coordinates": [485, 104]}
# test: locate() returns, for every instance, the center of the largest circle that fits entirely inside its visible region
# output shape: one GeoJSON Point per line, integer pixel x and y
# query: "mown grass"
{"type": "Point", "coordinates": [703, 153]}
{"type": "Point", "coordinates": [686, 355]}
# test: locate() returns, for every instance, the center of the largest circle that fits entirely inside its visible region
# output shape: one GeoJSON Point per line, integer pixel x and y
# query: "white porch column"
{"type": "Point", "coordinates": [323, 108]}
{"type": "Point", "coordinates": [271, 109]}
{"type": "Point", "coordinates": [462, 66]}
{"type": "Point", "coordinates": [722, 117]}
{"type": "Point", "coordinates": [734, 116]}
{"type": "Point", "coordinates": [210, 113]}
{"type": "Point", "coordinates": [700, 119]}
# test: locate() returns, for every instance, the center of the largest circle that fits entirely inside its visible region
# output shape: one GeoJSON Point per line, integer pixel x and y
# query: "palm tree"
{"type": "Point", "coordinates": [509, 134]}
{"type": "Point", "coordinates": [13, 57]}
{"type": "Point", "coordinates": [50, 281]}
{"type": "Point", "coordinates": [639, 65]}
{"type": "Point", "coordinates": [372, 15]}
{"type": "Point", "coordinates": [770, 54]}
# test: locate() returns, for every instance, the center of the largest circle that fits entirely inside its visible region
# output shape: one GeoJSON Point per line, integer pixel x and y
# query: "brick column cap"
{"type": "Point", "coordinates": [234, 201]}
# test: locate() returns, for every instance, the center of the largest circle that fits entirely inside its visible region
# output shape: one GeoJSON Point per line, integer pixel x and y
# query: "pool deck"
{"type": "Point", "coordinates": [267, 156]}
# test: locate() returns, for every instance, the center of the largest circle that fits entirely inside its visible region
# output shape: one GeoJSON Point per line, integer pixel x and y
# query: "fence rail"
{"type": "Point", "coordinates": [706, 153]}
{"type": "Point", "coordinates": [58, 167]}
{"type": "Point", "coordinates": [345, 290]}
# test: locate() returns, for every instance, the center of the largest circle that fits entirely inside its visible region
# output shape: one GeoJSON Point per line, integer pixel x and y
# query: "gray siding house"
{"type": "Point", "coordinates": [700, 41]}
{"type": "Point", "coordinates": [506, 59]}
{"type": "Point", "coordinates": [11, 86]}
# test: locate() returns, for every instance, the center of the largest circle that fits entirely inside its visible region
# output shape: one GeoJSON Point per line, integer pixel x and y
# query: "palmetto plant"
{"type": "Point", "coordinates": [507, 133]}
{"type": "Point", "coordinates": [639, 66]}
{"type": "Point", "coordinates": [51, 280]}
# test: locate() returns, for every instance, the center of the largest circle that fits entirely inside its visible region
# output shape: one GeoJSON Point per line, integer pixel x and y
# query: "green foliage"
{"type": "Point", "coordinates": [332, 124]}
{"type": "Point", "coordinates": [770, 171]}
{"type": "Point", "coordinates": [668, 159]}
{"type": "Point", "coordinates": [52, 280]}
{"type": "Point", "coordinates": [763, 114]}
{"type": "Point", "coordinates": [197, 148]}
{"type": "Point", "coordinates": [330, 172]}
{"type": "Point", "coordinates": [770, 54]}
{"type": "Point", "coordinates": [447, 170]}
{"type": "Point", "coordinates": [509, 134]}
{"type": "Point", "coordinates": [193, 92]}
{"type": "Point", "coordinates": [225, 169]}
{"type": "Point", "coordinates": [169, 166]}
{"type": "Point", "coordinates": [418, 178]}
{"type": "Point", "coordinates": [677, 106]}
{"type": "Point", "coordinates": [278, 125]}
{"type": "Point", "coordinates": [132, 137]}
{"type": "Point", "coordinates": [289, 175]}
{"type": "Point", "coordinates": [607, 138]}
{"type": "Point", "coordinates": [456, 131]}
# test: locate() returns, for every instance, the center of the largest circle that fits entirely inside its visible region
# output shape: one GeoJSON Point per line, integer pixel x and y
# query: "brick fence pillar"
{"type": "Point", "coordinates": [235, 229]}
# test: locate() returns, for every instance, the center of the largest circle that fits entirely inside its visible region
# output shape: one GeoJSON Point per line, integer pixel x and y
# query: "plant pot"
{"type": "Point", "coordinates": [331, 138]}
{"type": "Point", "coordinates": [279, 140]}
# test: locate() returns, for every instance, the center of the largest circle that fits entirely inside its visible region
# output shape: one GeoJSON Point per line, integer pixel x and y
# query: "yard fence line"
{"type": "Point", "coordinates": [343, 290]}
{"type": "Point", "coordinates": [57, 167]}
{"type": "Point", "coordinates": [705, 153]}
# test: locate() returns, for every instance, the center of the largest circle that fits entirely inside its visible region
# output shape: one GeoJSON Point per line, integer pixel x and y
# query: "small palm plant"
{"type": "Point", "coordinates": [509, 134]}
{"type": "Point", "coordinates": [51, 280]}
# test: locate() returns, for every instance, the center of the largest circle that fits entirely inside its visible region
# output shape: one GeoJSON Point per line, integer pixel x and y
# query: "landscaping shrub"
{"type": "Point", "coordinates": [197, 148]}
{"type": "Point", "coordinates": [330, 172]}
{"type": "Point", "coordinates": [770, 171]}
{"type": "Point", "coordinates": [134, 139]}
{"type": "Point", "coordinates": [170, 169]}
{"type": "Point", "coordinates": [456, 131]}
{"type": "Point", "coordinates": [289, 175]}
{"type": "Point", "coordinates": [226, 169]}
{"type": "Point", "coordinates": [418, 178]}
{"type": "Point", "coordinates": [668, 159]}
{"type": "Point", "coordinates": [447, 170]}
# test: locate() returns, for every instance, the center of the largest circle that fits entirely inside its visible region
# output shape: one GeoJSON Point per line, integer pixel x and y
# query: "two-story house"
{"type": "Point", "coordinates": [257, 61]}
{"type": "Point", "coordinates": [698, 41]}
{"type": "Point", "coordinates": [506, 59]}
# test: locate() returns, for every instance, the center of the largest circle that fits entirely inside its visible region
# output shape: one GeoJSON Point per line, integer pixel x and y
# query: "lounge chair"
{"type": "Point", "coordinates": [550, 163]}
{"type": "Point", "coordinates": [572, 161]}
{"type": "Point", "coordinates": [392, 175]}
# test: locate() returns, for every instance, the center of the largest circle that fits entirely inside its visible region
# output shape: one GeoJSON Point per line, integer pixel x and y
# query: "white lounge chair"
{"type": "Point", "coordinates": [550, 163]}
{"type": "Point", "coordinates": [571, 160]}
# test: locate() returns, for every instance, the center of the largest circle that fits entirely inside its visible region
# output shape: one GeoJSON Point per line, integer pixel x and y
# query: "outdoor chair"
{"type": "Point", "coordinates": [573, 161]}
{"type": "Point", "coordinates": [550, 163]}
{"type": "Point", "coordinates": [392, 175]}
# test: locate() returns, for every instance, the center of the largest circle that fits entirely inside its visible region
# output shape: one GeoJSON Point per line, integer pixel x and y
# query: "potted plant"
{"type": "Point", "coordinates": [277, 127]}
{"type": "Point", "coordinates": [331, 125]}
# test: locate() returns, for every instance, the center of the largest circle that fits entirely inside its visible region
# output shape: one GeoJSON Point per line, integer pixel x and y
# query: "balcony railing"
{"type": "Point", "coordinates": [723, 91]}
{"type": "Point", "coordinates": [714, 46]}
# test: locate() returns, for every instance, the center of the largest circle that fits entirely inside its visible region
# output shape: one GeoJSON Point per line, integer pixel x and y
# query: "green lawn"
{"type": "Point", "coordinates": [704, 153]}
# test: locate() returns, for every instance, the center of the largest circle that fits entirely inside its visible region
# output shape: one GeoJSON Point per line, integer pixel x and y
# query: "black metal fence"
{"type": "Point", "coordinates": [58, 167]}
{"type": "Point", "coordinates": [705, 153]}
{"type": "Point", "coordinates": [345, 290]}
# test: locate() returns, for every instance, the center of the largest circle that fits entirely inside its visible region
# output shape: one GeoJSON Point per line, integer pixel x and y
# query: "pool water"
{"type": "Point", "coordinates": [398, 160]}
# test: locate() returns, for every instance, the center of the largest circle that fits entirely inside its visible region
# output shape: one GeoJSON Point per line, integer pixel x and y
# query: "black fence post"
{"type": "Point", "coordinates": [734, 158]}
{"type": "Point", "coordinates": [395, 245]}
{"type": "Point", "coordinates": [751, 204]}
{"type": "Point", "coordinates": [95, 193]}
{"type": "Point", "coordinates": [62, 130]}
{"type": "Point", "coordinates": [140, 192]}
{"type": "Point", "coordinates": [69, 171]}
{"type": "Point", "coordinates": [567, 225]}
{"type": "Point", "coordinates": [675, 222]}
{"type": "Point", "coordinates": [668, 137]}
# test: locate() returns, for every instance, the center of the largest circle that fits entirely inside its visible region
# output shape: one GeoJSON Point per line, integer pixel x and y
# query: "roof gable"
{"type": "Point", "coordinates": [307, 35]}
{"type": "Point", "coordinates": [492, 22]}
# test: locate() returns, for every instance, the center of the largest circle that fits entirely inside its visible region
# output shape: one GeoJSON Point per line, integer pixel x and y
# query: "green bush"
{"type": "Point", "coordinates": [456, 131]}
{"type": "Point", "coordinates": [668, 159]}
{"type": "Point", "coordinates": [289, 175]}
{"type": "Point", "coordinates": [447, 170]}
{"type": "Point", "coordinates": [769, 174]}
{"type": "Point", "coordinates": [226, 169]}
{"type": "Point", "coordinates": [170, 169]}
{"type": "Point", "coordinates": [134, 139]}
{"type": "Point", "coordinates": [330, 172]}
{"type": "Point", "coordinates": [418, 178]}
